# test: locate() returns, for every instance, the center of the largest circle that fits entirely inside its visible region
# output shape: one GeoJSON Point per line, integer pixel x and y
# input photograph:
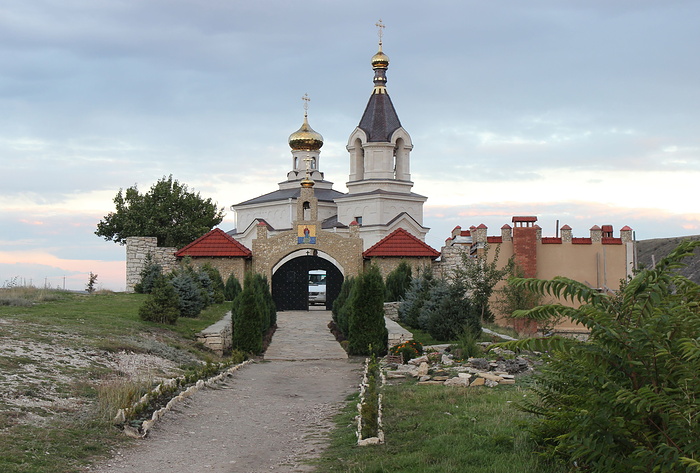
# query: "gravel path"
{"type": "Point", "coordinates": [270, 416]}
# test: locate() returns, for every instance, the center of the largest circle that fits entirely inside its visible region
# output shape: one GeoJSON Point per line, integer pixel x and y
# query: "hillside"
{"type": "Point", "coordinates": [649, 251]}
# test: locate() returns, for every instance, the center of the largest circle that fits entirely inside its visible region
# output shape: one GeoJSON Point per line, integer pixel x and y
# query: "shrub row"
{"type": "Point", "coordinates": [184, 292]}
{"type": "Point", "coordinates": [254, 313]}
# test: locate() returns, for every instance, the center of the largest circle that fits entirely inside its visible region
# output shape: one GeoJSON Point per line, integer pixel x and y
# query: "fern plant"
{"type": "Point", "coordinates": [627, 399]}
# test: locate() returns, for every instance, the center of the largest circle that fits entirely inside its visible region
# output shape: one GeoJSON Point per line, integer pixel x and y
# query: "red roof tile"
{"type": "Point", "coordinates": [595, 227]}
{"type": "Point", "coordinates": [215, 243]}
{"type": "Point", "coordinates": [506, 227]}
{"type": "Point", "coordinates": [494, 239]}
{"type": "Point", "coordinates": [625, 229]}
{"type": "Point", "coordinates": [524, 219]}
{"type": "Point", "coordinates": [566, 227]}
{"type": "Point", "coordinates": [466, 233]}
{"type": "Point", "coordinates": [550, 240]}
{"type": "Point", "coordinates": [611, 241]}
{"type": "Point", "coordinates": [482, 226]}
{"type": "Point", "coordinates": [400, 243]}
{"type": "Point", "coordinates": [581, 241]}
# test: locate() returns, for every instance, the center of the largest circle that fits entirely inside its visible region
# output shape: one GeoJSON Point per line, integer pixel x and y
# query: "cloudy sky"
{"type": "Point", "coordinates": [586, 112]}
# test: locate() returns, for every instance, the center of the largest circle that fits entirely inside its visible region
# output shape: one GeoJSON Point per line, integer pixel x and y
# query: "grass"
{"type": "Point", "coordinates": [442, 430]}
{"type": "Point", "coordinates": [65, 437]}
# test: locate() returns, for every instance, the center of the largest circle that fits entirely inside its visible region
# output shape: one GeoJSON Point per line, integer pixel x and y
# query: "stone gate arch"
{"type": "Point", "coordinates": [290, 282]}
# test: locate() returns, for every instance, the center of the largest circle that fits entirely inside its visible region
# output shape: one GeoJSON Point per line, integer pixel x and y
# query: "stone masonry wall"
{"type": "Point", "coordinates": [137, 250]}
{"type": "Point", "coordinates": [388, 264]}
{"type": "Point", "coordinates": [225, 266]}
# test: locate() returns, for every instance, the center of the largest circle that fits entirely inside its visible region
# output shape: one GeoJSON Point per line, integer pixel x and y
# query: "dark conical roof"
{"type": "Point", "coordinates": [380, 119]}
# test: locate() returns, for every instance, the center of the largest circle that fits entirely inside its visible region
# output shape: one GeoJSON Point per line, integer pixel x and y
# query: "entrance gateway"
{"type": "Point", "coordinates": [290, 282]}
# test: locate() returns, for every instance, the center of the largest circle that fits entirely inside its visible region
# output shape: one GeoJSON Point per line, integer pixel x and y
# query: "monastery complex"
{"type": "Point", "coordinates": [307, 225]}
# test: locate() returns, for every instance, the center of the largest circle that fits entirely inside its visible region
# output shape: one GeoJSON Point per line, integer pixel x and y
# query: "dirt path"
{"type": "Point", "coordinates": [269, 416]}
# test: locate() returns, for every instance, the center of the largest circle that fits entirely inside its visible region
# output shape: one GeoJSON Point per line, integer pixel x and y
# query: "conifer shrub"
{"type": "Point", "coordinates": [162, 305]}
{"type": "Point", "coordinates": [189, 293]}
{"type": "Point", "coordinates": [342, 306]}
{"type": "Point", "coordinates": [447, 312]}
{"type": "Point", "coordinates": [149, 274]}
{"type": "Point", "coordinates": [367, 327]}
{"type": "Point", "coordinates": [418, 292]}
{"type": "Point", "coordinates": [398, 282]}
{"type": "Point", "coordinates": [232, 288]}
{"type": "Point", "coordinates": [247, 333]}
{"type": "Point", "coordinates": [217, 283]}
{"type": "Point", "coordinates": [627, 398]}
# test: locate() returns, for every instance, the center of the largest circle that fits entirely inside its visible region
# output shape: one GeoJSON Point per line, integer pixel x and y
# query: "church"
{"type": "Point", "coordinates": [306, 225]}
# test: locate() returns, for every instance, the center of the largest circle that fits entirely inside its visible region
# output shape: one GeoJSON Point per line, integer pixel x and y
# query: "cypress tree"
{"type": "Point", "coordinates": [342, 306]}
{"type": "Point", "coordinates": [232, 288]}
{"type": "Point", "coordinates": [247, 335]}
{"type": "Point", "coordinates": [367, 327]}
{"type": "Point", "coordinates": [398, 282]}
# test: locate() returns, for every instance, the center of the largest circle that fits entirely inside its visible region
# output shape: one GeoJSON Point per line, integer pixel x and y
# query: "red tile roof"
{"type": "Point", "coordinates": [611, 241]}
{"type": "Point", "coordinates": [400, 243]}
{"type": "Point", "coordinates": [526, 218]}
{"type": "Point", "coordinates": [482, 226]}
{"type": "Point", "coordinates": [494, 239]}
{"type": "Point", "coordinates": [550, 240]}
{"type": "Point", "coordinates": [625, 229]}
{"type": "Point", "coordinates": [566, 227]}
{"type": "Point", "coordinates": [581, 241]}
{"type": "Point", "coordinates": [215, 243]}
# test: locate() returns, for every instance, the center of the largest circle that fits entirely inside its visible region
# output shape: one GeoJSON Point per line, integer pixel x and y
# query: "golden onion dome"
{"type": "Point", "coordinates": [307, 182]}
{"type": "Point", "coordinates": [380, 60]}
{"type": "Point", "coordinates": [305, 138]}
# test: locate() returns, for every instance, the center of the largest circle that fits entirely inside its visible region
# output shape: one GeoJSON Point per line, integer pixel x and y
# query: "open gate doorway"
{"type": "Point", "coordinates": [290, 283]}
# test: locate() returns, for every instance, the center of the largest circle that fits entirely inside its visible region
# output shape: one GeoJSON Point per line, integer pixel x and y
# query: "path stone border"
{"type": "Point", "coordinates": [148, 424]}
{"type": "Point", "coordinates": [379, 439]}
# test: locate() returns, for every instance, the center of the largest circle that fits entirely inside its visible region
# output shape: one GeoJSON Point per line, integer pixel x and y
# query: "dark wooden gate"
{"type": "Point", "coordinates": [290, 283]}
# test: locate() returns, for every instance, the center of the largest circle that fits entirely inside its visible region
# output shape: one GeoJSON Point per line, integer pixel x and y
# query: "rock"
{"type": "Point", "coordinates": [419, 360]}
{"type": "Point", "coordinates": [490, 377]}
{"type": "Point", "coordinates": [490, 383]}
{"type": "Point", "coordinates": [423, 369]}
{"type": "Point", "coordinates": [396, 374]}
{"type": "Point", "coordinates": [446, 360]}
{"type": "Point", "coordinates": [425, 378]}
{"type": "Point", "coordinates": [440, 378]}
{"type": "Point", "coordinates": [457, 382]}
{"type": "Point", "coordinates": [464, 375]}
{"type": "Point", "coordinates": [479, 363]}
{"type": "Point", "coordinates": [478, 382]}
{"type": "Point", "coordinates": [132, 432]}
{"type": "Point", "coordinates": [429, 383]}
{"type": "Point", "coordinates": [507, 381]}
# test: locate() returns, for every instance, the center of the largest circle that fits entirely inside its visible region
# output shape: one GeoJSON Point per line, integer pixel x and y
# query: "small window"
{"type": "Point", "coordinates": [358, 220]}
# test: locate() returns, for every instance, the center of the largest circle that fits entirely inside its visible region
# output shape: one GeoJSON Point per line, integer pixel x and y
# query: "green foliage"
{"type": "Point", "coordinates": [217, 283]}
{"type": "Point", "coordinates": [477, 276]}
{"type": "Point", "coordinates": [398, 282]}
{"type": "Point", "coordinates": [189, 293]}
{"type": "Point", "coordinates": [407, 350]}
{"type": "Point", "coordinates": [150, 272]}
{"type": "Point", "coordinates": [628, 398]}
{"type": "Point", "coordinates": [247, 323]}
{"type": "Point", "coordinates": [447, 313]}
{"type": "Point", "coordinates": [366, 326]}
{"type": "Point", "coordinates": [253, 313]}
{"type": "Point", "coordinates": [232, 288]}
{"type": "Point", "coordinates": [414, 299]}
{"type": "Point", "coordinates": [342, 306]}
{"type": "Point", "coordinates": [169, 211]}
{"type": "Point", "coordinates": [369, 409]}
{"type": "Point", "coordinates": [162, 305]}
{"type": "Point", "coordinates": [92, 281]}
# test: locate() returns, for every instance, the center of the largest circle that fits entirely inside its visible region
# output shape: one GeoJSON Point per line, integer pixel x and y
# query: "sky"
{"type": "Point", "coordinates": [578, 112]}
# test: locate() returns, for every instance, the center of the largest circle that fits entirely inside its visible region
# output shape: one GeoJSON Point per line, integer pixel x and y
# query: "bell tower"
{"type": "Point", "coordinates": [379, 186]}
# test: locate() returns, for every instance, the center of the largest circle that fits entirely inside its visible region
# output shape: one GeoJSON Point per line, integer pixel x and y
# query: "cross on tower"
{"type": "Point", "coordinates": [306, 100]}
{"type": "Point", "coordinates": [380, 29]}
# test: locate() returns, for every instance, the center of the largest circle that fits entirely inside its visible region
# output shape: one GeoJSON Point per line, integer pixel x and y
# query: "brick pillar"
{"type": "Point", "coordinates": [525, 249]}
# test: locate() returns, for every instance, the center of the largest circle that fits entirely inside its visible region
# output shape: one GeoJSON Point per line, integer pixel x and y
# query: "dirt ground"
{"type": "Point", "coordinates": [269, 416]}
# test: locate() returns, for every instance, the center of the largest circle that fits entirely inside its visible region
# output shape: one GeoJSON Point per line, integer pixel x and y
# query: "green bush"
{"type": "Point", "coordinates": [189, 293]}
{"type": "Point", "coordinates": [367, 326]}
{"type": "Point", "coordinates": [162, 304]}
{"type": "Point", "coordinates": [416, 295]}
{"type": "Point", "coordinates": [217, 283]}
{"type": "Point", "coordinates": [232, 288]}
{"type": "Point", "coordinates": [398, 282]}
{"type": "Point", "coordinates": [342, 306]}
{"type": "Point", "coordinates": [407, 350]}
{"type": "Point", "coordinates": [247, 323]}
{"type": "Point", "coordinates": [447, 313]}
{"type": "Point", "coordinates": [149, 274]}
{"type": "Point", "coordinates": [627, 399]}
